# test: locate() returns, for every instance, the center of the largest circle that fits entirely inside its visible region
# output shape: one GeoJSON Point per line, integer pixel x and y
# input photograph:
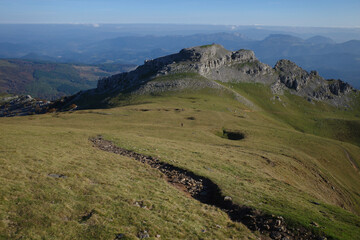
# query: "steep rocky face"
{"type": "Point", "coordinates": [338, 87]}
{"type": "Point", "coordinates": [292, 75]}
{"type": "Point", "coordinates": [311, 85]}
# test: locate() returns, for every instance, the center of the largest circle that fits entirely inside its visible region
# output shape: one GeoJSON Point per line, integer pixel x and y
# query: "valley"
{"type": "Point", "coordinates": [49, 80]}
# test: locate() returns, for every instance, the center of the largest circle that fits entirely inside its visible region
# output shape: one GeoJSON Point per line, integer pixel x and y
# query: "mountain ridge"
{"type": "Point", "coordinates": [216, 63]}
{"type": "Point", "coordinates": [292, 157]}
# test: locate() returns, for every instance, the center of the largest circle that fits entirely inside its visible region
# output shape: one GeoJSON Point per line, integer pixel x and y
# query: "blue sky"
{"type": "Point", "coordinates": [314, 13]}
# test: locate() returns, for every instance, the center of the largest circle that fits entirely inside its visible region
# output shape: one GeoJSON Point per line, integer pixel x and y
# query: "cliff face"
{"type": "Point", "coordinates": [214, 62]}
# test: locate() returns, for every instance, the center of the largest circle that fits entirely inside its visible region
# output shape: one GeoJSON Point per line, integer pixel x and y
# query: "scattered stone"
{"type": "Point", "coordinates": [316, 203]}
{"type": "Point", "coordinates": [140, 204]}
{"type": "Point", "coordinates": [119, 236]}
{"type": "Point", "coordinates": [315, 224]}
{"type": "Point", "coordinates": [205, 191]}
{"type": "Point", "coordinates": [203, 230]}
{"type": "Point", "coordinates": [158, 236]}
{"type": "Point", "coordinates": [54, 175]}
{"type": "Point", "coordinates": [227, 198]}
{"type": "Point", "coordinates": [218, 226]}
{"type": "Point", "coordinates": [278, 223]}
{"type": "Point", "coordinates": [275, 235]}
{"type": "Point", "coordinates": [87, 216]}
{"type": "Point", "coordinates": [144, 234]}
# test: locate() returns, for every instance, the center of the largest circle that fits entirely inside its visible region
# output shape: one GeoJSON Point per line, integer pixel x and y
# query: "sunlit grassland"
{"type": "Point", "coordinates": [276, 168]}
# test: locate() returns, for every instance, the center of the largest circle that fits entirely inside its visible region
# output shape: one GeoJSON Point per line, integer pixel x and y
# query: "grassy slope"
{"type": "Point", "coordinates": [275, 168]}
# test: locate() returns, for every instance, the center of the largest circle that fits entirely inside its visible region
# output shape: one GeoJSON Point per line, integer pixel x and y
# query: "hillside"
{"type": "Point", "coordinates": [203, 144]}
{"type": "Point", "coordinates": [51, 80]}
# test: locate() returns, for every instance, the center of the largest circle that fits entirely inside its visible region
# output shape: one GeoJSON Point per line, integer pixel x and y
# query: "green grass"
{"type": "Point", "coordinates": [314, 117]}
{"type": "Point", "coordinates": [179, 76]}
{"type": "Point", "coordinates": [240, 66]}
{"type": "Point", "coordinates": [275, 168]}
{"type": "Point", "coordinates": [207, 46]}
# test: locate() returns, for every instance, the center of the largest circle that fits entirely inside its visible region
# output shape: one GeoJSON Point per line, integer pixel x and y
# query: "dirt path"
{"type": "Point", "coordinates": [352, 162]}
{"type": "Point", "coordinates": [207, 192]}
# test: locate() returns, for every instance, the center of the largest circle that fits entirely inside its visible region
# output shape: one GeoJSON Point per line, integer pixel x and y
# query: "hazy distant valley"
{"type": "Point", "coordinates": [310, 48]}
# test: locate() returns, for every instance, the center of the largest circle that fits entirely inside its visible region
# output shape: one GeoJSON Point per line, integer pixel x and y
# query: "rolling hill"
{"type": "Point", "coordinates": [202, 144]}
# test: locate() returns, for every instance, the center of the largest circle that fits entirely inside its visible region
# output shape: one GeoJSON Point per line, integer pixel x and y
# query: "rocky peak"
{"type": "Point", "coordinates": [293, 76]}
{"type": "Point", "coordinates": [310, 85]}
{"type": "Point", "coordinates": [208, 56]}
{"type": "Point", "coordinates": [338, 87]}
{"type": "Point", "coordinates": [201, 59]}
{"type": "Point", "coordinates": [214, 62]}
{"type": "Point", "coordinates": [204, 53]}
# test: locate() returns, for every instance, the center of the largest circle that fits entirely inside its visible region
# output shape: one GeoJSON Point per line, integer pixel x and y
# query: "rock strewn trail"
{"type": "Point", "coordinates": [205, 191]}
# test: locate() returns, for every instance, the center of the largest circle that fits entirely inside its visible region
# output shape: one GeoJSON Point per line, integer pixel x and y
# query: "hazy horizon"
{"type": "Point", "coordinates": [334, 13]}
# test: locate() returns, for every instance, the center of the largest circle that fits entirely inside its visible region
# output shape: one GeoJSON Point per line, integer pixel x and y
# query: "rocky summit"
{"type": "Point", "coordinates": [216, 64]}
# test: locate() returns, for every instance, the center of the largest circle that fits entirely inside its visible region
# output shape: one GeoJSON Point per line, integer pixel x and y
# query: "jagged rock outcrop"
{"type": "Point", "coordinates": [291, 75]}
{"type": "Point", "coordinates": [310, 85]}
{"type": "Point", "coordinates": [338, 87]}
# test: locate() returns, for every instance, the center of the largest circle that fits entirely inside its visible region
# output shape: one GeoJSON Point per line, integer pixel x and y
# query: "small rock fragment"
{"type": "Point", "coordinates": [315, 224]}
{"type": "Point", "coordinates": [275, 235]}
{"type": "Point", "coordinates": [227, 198]}
{"type": "Point", "coordinates": [54, 175]}
{"type": "Point", "coordinates": [144, 234]}
{"type": "Point", "coordinates": [119, 236]}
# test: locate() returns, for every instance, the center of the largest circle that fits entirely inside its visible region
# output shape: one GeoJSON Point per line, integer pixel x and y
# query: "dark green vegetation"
{"type": "Point", "coordinates": [286, 165]}
{"type": "Point", "coordinates": [51, 80]}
